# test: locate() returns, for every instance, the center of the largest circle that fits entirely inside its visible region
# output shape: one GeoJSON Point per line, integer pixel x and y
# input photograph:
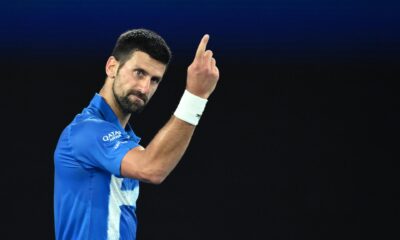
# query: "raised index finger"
{"type": "Point", "coordinates": [202, 46]}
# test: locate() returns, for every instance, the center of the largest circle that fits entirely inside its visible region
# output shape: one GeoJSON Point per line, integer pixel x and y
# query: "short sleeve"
{"type": "Point", "coordinates": [96, 143]}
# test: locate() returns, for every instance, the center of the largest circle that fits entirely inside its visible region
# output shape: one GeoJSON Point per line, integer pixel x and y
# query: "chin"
{"type": "Point", "coordinates": [135, 108]}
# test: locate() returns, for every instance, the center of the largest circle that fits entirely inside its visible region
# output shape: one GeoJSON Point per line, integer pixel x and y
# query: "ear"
{"type": "Point", "coordinates": [112, 67]}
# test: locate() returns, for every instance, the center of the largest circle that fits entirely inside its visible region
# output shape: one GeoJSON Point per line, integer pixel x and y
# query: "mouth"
{"type": "Point", "coordinates": [137, 99]}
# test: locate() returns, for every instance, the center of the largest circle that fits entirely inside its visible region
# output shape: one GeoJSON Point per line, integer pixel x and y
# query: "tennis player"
{"type": "Point", "coordinates": [99, 161]}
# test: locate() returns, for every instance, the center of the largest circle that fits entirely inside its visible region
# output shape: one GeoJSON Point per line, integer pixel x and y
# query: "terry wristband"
{"type": "Point", "coordinates": [190, 108]}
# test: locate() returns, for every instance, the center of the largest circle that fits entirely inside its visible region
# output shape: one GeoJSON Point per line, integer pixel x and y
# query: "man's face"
{"type": "Point", "coordinates": [136, 81]}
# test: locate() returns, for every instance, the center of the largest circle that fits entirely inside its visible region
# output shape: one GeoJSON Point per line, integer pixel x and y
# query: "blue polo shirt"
{"type": "Point", "coordinates": [91, 198]}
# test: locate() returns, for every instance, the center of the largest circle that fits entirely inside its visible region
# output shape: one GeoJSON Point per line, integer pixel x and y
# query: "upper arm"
{"type": "Point", "coordinates": [137, 163]}
{"type": "Point", "coordinates": [99, 144]}
{"type": "Point", "coordinates": [131, 165]}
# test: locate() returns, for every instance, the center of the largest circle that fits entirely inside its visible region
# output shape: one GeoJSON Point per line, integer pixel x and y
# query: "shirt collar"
{"type": "Point", "coordinates": [100, 104]}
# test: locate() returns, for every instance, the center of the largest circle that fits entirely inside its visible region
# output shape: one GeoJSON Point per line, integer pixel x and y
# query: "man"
{"type": "Point", "coordinates": [98, 159]}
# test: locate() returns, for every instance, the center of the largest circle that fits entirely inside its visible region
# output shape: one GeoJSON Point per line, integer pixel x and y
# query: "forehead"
{"type": "Point", "coordinates": [143, 60]}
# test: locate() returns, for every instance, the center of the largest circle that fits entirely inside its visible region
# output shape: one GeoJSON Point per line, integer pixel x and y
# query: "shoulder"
{"type": "Point", "coordinates": [91, 124]}
{"type": "Point", "coordinates": [92, 129]}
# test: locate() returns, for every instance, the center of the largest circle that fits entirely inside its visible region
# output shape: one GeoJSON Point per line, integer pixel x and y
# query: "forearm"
{"type": "Point", "coordinates": [161, 156]}
{"type": "Point", "coordinates": [169, 145]}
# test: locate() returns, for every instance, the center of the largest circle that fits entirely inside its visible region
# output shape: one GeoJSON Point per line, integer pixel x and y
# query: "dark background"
{"type": "Point", "coordinates": [297, 142]}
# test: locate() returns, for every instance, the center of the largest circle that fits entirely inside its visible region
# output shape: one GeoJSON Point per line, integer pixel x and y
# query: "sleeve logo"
{"type": "Point", "coordinates": [112, 136]}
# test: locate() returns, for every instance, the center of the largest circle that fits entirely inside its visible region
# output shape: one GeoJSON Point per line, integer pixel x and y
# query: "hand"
{"type": "Point", "coordinates": [202, 74]}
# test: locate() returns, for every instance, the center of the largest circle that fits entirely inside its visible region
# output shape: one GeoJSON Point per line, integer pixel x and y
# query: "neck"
{"type": "Point", "coordinates": [107, 94]}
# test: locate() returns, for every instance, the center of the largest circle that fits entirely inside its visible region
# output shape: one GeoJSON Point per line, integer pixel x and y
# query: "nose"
{"type": "Point", "coordinates": [144, 85]}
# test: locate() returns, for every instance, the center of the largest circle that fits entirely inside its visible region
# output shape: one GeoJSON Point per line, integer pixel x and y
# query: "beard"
{"type": "Point", "coordinates": [128, 104]}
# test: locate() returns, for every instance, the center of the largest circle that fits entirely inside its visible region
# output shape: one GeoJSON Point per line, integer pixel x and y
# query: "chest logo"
{"type": "Point", "coordinates": [112, 136]}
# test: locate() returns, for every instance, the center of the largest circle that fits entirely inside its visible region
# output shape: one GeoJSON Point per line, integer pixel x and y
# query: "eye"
{"type": "Point", "coordinates": [155, 79]}
{"type": "Point", "coordinates": [139, 73]}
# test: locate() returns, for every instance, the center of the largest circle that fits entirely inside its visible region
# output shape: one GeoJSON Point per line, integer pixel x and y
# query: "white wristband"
{"type": "Point", "coordinates": [190, 108]}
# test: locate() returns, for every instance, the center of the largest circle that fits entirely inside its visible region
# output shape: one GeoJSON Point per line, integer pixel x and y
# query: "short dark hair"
{"type": "Point", "coordinates": [141, 40]}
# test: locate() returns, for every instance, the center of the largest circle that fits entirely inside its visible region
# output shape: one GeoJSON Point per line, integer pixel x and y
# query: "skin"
{"type": "Point", "coordinates": [136, 82]}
